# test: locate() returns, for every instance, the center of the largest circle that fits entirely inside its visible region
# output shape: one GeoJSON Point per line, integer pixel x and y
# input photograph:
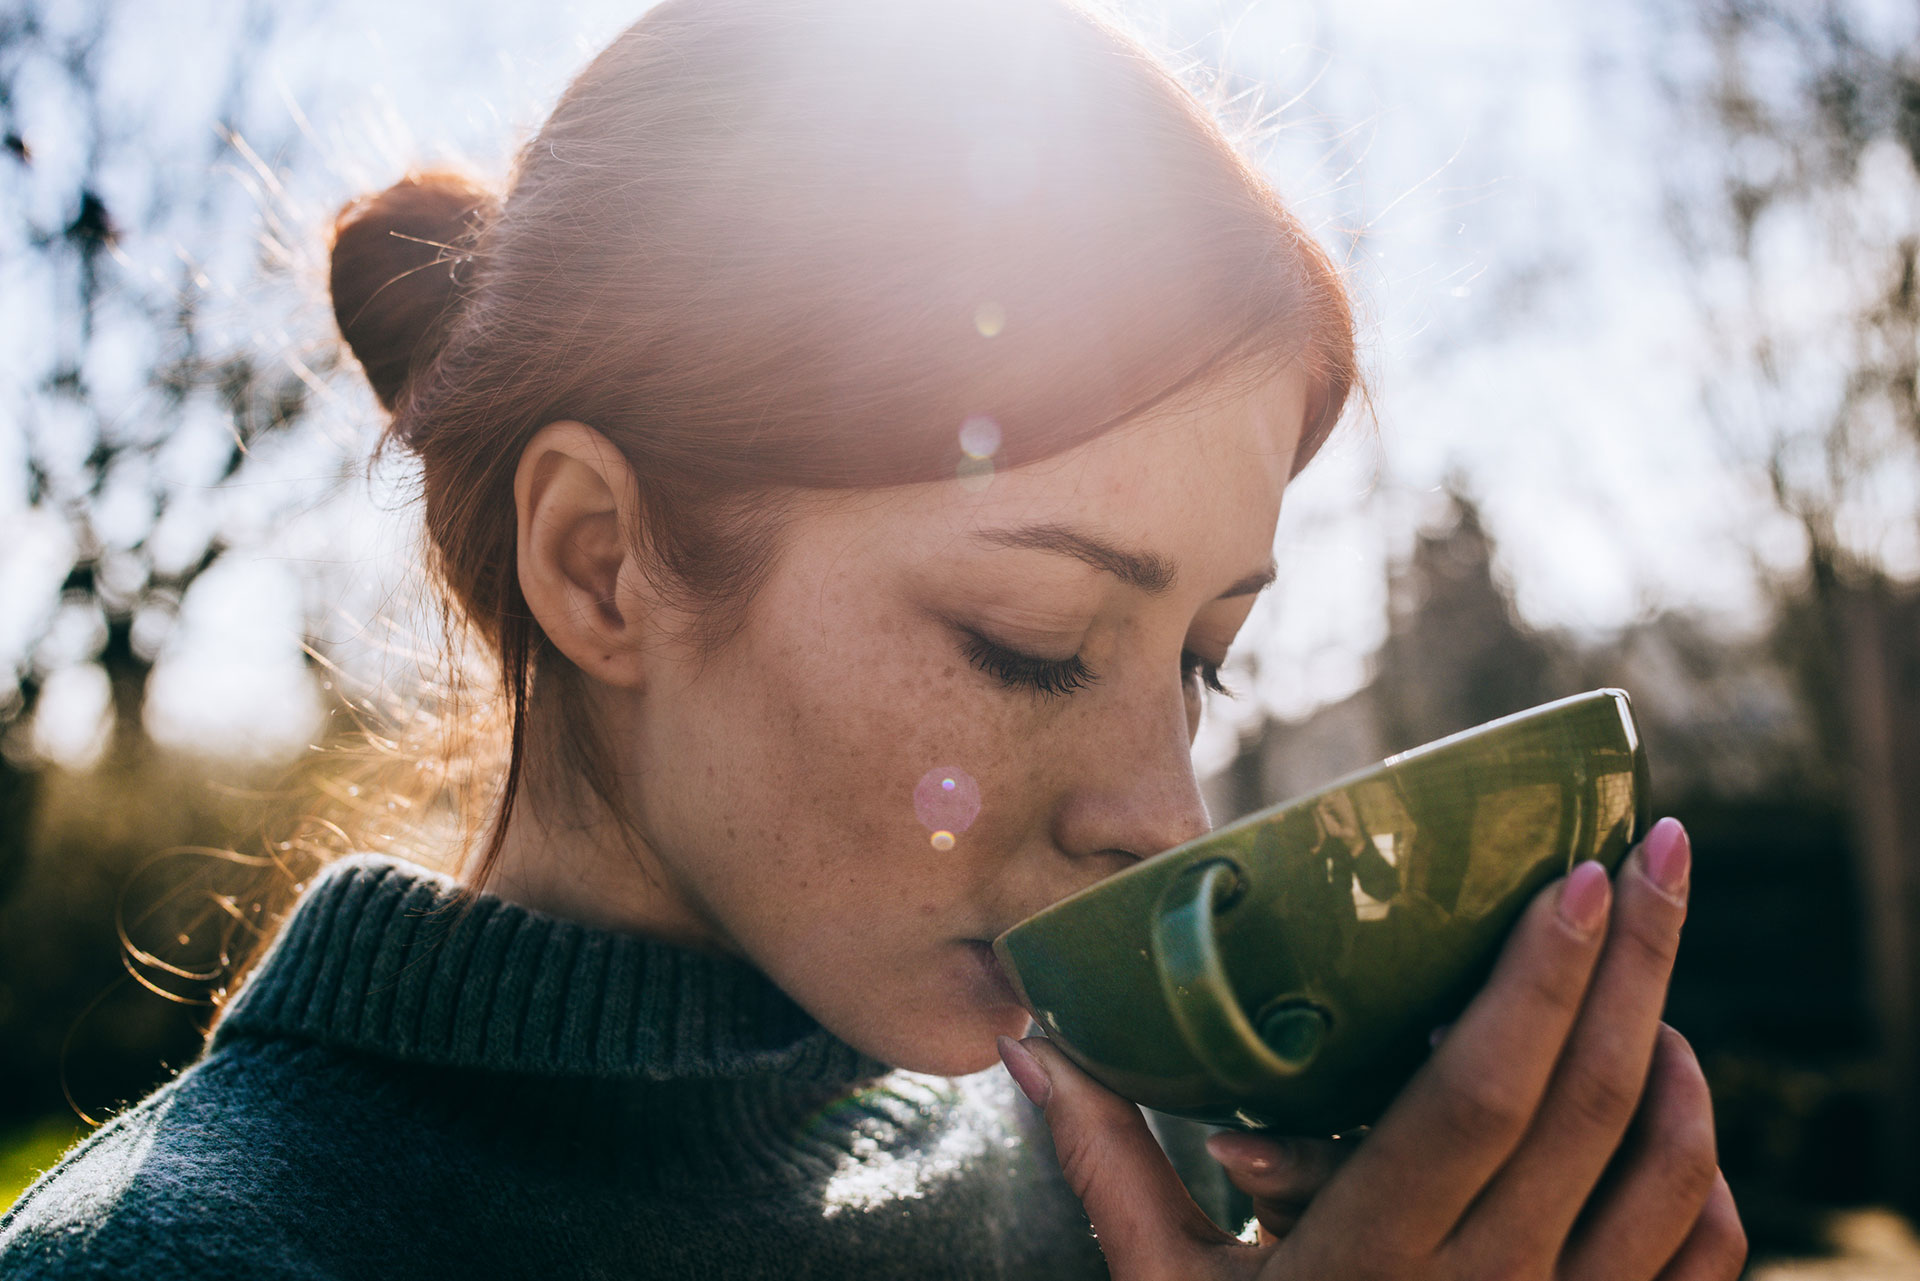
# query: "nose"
{"type": "Point", "coordinates": [1134, 790]}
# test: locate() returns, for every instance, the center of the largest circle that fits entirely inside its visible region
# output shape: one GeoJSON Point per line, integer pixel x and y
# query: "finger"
{"type": "Point", "coordinates": [1464, 1112]}
{"type": "Point", "coordinates": [1661, 1181]}
{"type": "Point", "coordinates": [1275, 1220]}
{"type": "Point", "coordinates": [1281, 1175]}
{"type": "Point", "coordinates": [1282, 1170]}
{"type": "Point", "coordinates": [1596, 1088]}
{"type": "Point", "coordinates": [1145, 1220]}
{"type": "Point", "coordinates": [1716, 1249]}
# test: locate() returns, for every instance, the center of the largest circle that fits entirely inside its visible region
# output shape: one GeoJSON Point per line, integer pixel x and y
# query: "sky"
{"type": "Point", "coordinates": [1499, 171]}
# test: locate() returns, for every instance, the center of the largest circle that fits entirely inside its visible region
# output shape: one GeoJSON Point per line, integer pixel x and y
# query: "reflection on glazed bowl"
{"type": "Point", "coordinates": [1285, 971]}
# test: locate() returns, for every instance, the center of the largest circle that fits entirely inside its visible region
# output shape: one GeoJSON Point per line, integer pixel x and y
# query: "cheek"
{"type": "Point", "coordinates": [817, 747]}
{"type": "Point", "coordinates": [916, 717]}
{"type": "Point", "coordinates": [882, 721]}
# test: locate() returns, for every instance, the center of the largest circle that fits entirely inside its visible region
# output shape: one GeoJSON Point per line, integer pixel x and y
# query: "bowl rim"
{"type": "Point", "coordinates": [1451, 742]}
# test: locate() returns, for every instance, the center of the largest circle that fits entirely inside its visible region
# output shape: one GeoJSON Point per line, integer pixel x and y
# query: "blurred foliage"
{"type": "Point", "coordinates": [28, 1152]}
{"type": "Point", "coordinates": [1801, 208]}
{"type": "Point", "coordinates": [140, 396]}
{"type": "Point", "coordinates": [78, 1031]}
{"type": "Point", "coordinates": [145, 394]}
{"type": "Point", "coordinates": [1797, 198]}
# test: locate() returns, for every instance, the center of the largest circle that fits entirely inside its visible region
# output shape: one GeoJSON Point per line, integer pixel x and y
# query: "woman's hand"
{"type": "Point", "coordinates": [1559, 1129]}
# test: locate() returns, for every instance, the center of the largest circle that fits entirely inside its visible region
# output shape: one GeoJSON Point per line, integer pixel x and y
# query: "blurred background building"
{"type": "Point", "coordinates": [1641, 305]}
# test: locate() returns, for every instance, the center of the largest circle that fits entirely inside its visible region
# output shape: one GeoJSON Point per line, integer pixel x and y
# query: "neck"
{"type": "Point", "coordinates": [563, 853]}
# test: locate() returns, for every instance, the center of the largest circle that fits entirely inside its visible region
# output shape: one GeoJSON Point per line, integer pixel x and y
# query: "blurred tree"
{"type": "Point", "coordinates": [1799, 204]}
{"type": "Point", "coordinates": [130, 400]}
{"type": "Point", "coordinates": [1456, 654]}
{"type": "Point", "coordinates": [141, 406]}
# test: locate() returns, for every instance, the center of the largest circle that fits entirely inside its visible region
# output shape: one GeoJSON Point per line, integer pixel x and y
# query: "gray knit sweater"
{"type": "Point", "coordinates": [403, 1089]}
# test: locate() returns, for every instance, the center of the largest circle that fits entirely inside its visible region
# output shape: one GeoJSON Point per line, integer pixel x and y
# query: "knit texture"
{"type": "Point", "coordinates": [415, 1085]}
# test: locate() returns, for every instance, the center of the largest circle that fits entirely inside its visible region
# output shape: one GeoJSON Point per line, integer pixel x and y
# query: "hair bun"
{"type": "Point", "coordinates": [394, 275]}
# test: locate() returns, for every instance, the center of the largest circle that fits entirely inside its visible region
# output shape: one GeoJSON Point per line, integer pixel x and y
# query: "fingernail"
{"type": "Point", "coordinates": [1668, 856]}
{"type": "Point", "coordinates": [1025, 1071]}
{"type": "Point", "coordinates": [1229, 1148]}
{"type": "Point", "coordinates": [1583, 897]}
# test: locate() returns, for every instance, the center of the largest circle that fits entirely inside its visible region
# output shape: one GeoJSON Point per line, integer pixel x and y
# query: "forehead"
{"type": "Point", "coordinates": [1216, 448]}
{"type": "Point", "coordinates": [1198, 483]}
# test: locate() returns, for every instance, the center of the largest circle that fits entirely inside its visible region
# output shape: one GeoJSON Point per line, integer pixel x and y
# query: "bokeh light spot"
{"type": "Point", "coordinates": [946, 800]}
{"type": "Point", "coordinates": [980, 437]}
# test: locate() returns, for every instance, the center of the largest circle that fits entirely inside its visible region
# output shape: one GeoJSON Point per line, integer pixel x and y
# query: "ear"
{"type": "Point", "coordinates": [577, 507]}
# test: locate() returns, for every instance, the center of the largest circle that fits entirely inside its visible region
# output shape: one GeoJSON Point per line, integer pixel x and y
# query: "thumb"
{"type": "Point", "coordinates": [1147, 1224]}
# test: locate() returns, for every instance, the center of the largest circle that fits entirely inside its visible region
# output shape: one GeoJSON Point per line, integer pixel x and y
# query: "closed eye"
{"type": "Point", "coordinates": [1194, 667]}
{"type": "Point", "coordinates": [1049, 676]}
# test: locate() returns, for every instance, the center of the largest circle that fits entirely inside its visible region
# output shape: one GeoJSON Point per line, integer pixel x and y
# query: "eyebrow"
{"type": "Point", "coordinates": [1146, 571]}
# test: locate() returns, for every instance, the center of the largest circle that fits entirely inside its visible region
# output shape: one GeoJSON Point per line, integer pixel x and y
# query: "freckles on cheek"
{"type": "Point", "coordinates": [977, 772]}
{"type": "Point", "coordinates": [909, 742]}
{"type": "Point", "coordinates": [823, 758]}
{"type": "Point", "coordinates": [849, 728]}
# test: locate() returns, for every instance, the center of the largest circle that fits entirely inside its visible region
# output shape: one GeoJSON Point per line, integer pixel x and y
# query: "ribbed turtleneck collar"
{"type": "Point", "coordinates": [383, 956]}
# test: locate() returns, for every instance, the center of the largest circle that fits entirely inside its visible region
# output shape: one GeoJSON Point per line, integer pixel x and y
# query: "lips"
{"type": "Point", "coordinates": [987, 981]}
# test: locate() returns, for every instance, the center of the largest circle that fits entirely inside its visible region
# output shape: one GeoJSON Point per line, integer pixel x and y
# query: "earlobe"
{"type": "Point", "coordinates": [576, 507]}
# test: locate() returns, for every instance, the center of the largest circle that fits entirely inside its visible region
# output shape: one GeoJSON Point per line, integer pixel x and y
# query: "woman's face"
{"type": "Point", "coordinates": [1039, 644]}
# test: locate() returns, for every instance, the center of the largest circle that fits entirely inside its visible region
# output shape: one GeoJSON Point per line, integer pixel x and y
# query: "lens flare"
{"type": "Point", "coordinates": [946, 800]}
{"type": "Point", "coordinates": [980, 437]}
{"type": "Point", "coordinates": [989, 318]}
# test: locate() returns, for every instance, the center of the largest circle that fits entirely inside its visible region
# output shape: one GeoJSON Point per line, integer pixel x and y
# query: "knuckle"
{"type": "Point", "coordinates": [1696, 1168]}
{"type": "Point", "coordinates": [1475, 1107]}
{"type": "Point", "coordinates": [1079, 1162]}
{"type": "Point", "coordinates": [1688, 1164]}
{"type": "Point", "coordinates": [1727, 1248]}
{"type": "Point", "coordinates": [1717, 1247]}
{"type": "Point", "coordinates": [1506, 1267]}
{"type": "Point", "coordinates": [1559, 986]}
{"type": "Point", "coordinates": [1694, 1171]}
{"type": "Point", "coordinates": [1733, 1248]}
{"type": "Point", "coordinates": [1653, 945]}
{"type": "Point", "coordinates": [1602, 1096]}
{"type": "Point", "coordinates": [1683, 1141]}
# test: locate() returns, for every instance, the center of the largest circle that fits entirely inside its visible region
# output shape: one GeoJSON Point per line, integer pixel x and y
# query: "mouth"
{"type": "Point", "coordinates": [988, 982]}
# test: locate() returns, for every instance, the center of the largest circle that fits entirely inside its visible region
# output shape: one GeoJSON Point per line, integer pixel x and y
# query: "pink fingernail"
{"type": "Point", "coordinates": [1668, 856]}
{"type": "Point", "coordinates": [1583, 897]}
{"type": "Point", "coordinates": [1230, 1149]}
{"type": "Point", "coordinates": [1025, 1071]}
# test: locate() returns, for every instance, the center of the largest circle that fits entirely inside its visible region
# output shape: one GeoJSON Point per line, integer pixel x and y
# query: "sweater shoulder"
{"type": "Point", "coordinates": [190, 1182]}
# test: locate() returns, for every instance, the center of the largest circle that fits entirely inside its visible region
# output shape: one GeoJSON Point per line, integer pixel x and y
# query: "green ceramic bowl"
{"type": "Point", "coordinates": [1286, 971]}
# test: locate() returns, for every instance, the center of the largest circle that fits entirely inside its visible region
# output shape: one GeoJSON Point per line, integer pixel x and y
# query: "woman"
{"type": "Point", "coordinates": [848, 398]}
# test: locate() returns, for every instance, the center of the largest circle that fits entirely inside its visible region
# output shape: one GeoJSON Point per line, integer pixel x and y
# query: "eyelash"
{"type": "Point", "coordinates": [1056, 676]}
{"type": "Point", "coordinates": [1191, 664]}
{"type": "Point", "coordinates": [1049, 676]}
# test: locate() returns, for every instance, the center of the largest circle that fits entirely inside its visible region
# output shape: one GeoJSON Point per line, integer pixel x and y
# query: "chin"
{"type": "Point", "coordinates": [957, 1045]}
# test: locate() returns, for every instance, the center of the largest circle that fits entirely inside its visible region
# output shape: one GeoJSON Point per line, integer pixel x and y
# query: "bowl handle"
{"type": "Point", "coordinates": [1193, 979]}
